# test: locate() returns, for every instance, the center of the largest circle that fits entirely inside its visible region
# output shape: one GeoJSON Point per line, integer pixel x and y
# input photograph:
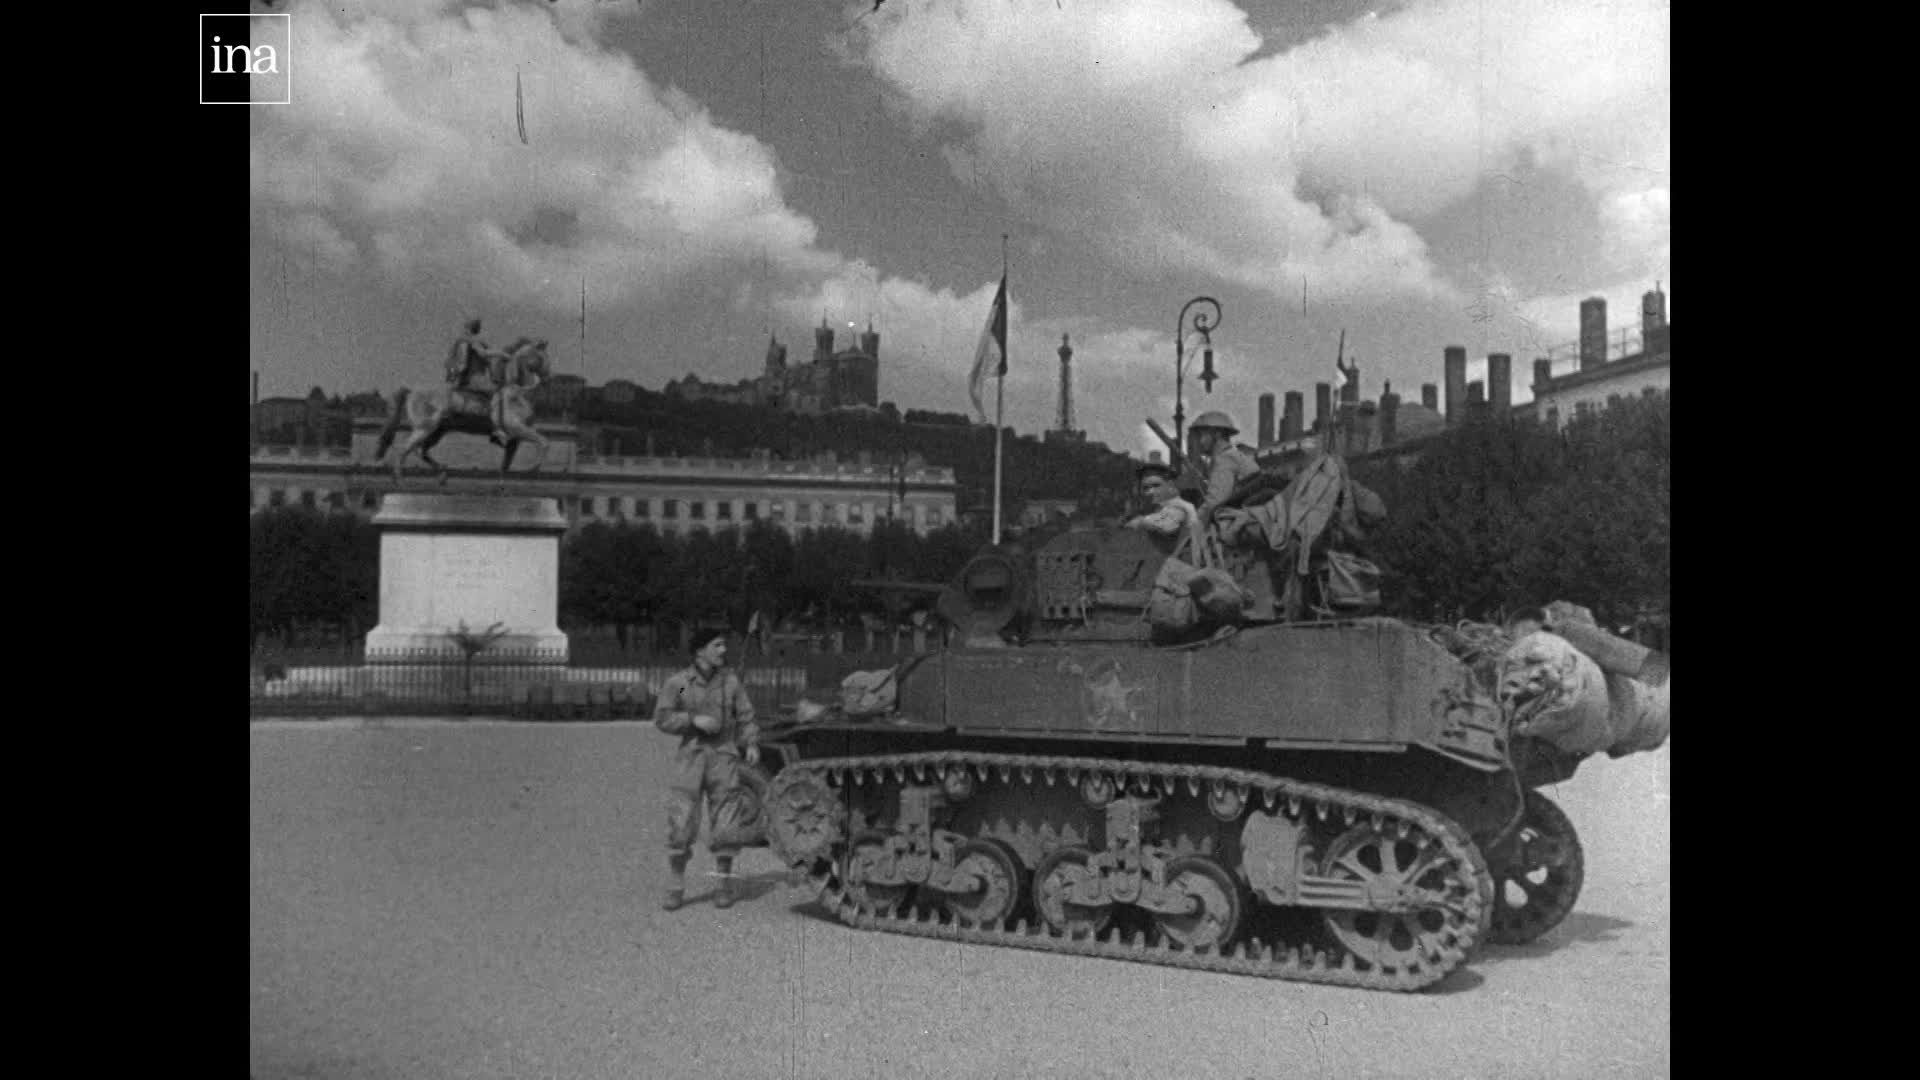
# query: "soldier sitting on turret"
{"type": "Point", "coordinates": [1171, 514]}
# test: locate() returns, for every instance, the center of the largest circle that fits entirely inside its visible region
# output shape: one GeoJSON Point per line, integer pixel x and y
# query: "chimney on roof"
{"type": "Point", "coordinates": [1389, 415]}
{"type": "Point", "coordinates": [1476, 397]}
{"type": "Point", "coordinates": [1456, 375]}
{"type": "Point", "coordinates": [1430, 397]}
{"type": "Point", "coordinates": [1500, 381]}
{"type": "Point", "coordinates": [1593, 332]}
{"type": "Point", "coordinates": [1266, 419]}
{"type": "Point", "coordinates": [1294, 417]}
{"type": "Point", "coordinates": [1322, 406]}
{"type": "Point", "coordinates": [1542, 374]}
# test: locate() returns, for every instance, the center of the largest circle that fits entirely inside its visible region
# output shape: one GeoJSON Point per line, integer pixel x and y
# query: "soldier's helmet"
{"type": "Point", "coordinates": [1216, 420]}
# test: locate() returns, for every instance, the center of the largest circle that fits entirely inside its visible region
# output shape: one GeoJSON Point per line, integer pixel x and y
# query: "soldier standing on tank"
{"type": "Point", "coordinates": [707, 706]}
{"type": "Point", "coordinates": [1223, 463]}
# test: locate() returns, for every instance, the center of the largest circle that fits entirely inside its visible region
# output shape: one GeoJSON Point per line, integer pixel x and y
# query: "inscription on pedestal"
{"type": "Point", "coordinates": [448, 561]}
{"type": "Point", "coordinates": [465, 581]}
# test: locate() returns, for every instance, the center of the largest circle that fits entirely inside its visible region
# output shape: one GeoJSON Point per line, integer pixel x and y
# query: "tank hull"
{"type": "Point", "coordinates": [1377, 685]}
{"type": "Point", "coordinates": [1311, 802]}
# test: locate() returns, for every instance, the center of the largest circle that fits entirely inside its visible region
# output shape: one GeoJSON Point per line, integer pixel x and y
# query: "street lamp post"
{"type": "Point", "coordinates": [1204, 326]}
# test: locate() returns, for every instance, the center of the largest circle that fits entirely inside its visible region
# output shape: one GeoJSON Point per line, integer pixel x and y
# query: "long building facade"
{"type": "Point", "coordinates": [674, 494]}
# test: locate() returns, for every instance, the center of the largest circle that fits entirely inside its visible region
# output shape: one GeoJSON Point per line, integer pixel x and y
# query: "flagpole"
{"type": "Point", "coordinates": [1000, 399]}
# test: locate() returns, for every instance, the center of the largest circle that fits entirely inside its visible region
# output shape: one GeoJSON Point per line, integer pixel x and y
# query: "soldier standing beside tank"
{"type": "Point", "coordinates": [708, 708]}
{"type": "Point", "coordinates": [1223, 463]}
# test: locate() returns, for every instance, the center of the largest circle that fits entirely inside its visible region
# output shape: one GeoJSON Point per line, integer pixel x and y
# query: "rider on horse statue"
{"type": "Point", "coordinates": [476, 372]}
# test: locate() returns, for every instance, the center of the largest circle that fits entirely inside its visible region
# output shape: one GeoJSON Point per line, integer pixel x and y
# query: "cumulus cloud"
{"type": "Point", "coordinates": [1149, 127]}
{"type": "Point", "coordinates": [402, 143]}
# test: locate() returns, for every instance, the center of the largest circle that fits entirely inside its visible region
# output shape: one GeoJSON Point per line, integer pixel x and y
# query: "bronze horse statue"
{"type": "Point", "coordinates": [431, 412]}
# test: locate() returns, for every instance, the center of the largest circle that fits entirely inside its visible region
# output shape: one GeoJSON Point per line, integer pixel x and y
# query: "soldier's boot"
{"type": "Point", "coordinates": [723, 864]}
{"type": "Point", "coordinates": [676, 881]}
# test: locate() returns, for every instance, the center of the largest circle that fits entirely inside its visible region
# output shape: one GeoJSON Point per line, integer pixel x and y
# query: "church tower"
{"type": "Point", "coordinates": [823, 343]}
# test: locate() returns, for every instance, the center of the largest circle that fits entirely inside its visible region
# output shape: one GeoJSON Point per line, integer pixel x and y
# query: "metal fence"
{"type": "Point", "coordinates": [603, 684]}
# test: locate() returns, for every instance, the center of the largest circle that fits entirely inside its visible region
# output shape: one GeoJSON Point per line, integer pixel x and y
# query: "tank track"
{"type": "Point", "coordinates": [1303, 962]}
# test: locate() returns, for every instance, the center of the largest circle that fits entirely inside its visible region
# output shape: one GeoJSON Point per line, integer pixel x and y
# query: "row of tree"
{"type": "Point", "coordinates": [314, 577]}
{"type": "Point", "coordinates": [633, 577]}
{"type": "Point", "coordinates": [311, 574]}
{"type": "Point", "coordinates": [1501, 514]}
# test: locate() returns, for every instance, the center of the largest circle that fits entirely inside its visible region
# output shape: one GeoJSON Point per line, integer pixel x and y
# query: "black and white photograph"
{"type": "Point", "coordinates": [979, 539]}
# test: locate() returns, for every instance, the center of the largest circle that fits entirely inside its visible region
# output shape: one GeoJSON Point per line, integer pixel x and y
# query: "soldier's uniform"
{"type": "Point", "coordinates": [706, 765]}
{"type": "Point", "coordinates": [1170, 518]}
{"type": "Point", "coordinates": [1230, 465]}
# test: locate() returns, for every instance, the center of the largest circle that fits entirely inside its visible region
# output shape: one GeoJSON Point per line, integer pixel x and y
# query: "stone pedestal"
{"type": "Point", "coordinates": [448, 559]}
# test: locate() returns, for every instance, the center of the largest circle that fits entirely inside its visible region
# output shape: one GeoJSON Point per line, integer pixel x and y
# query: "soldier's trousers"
{"type": "Point", "coordinates": [700, 772]}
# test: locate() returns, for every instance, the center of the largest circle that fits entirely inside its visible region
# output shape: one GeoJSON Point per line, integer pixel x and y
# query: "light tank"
{"type": "Point", "coordinates": [1341, 801]}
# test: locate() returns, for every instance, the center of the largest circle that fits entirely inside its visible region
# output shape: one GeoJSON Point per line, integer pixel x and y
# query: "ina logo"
{"type": "Point", "coordinates": [245, 59]}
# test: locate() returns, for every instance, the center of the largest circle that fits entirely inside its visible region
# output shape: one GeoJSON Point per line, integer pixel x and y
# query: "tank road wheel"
{"type": "Point", "coordinates": [1536, 874]}
{"type": "Point", "coordinates": [1049, 887]}
{"type": "Point", "coordinates": [1003, 883]}
{"type": "Point", "coordinates": [871, 897]}
{"type": "Point", "coordinates": [804, 818]}
{"type": "Point", "coordinates": [1216, 922]}
{"type": "Point", "coordinates": [1388, 864]}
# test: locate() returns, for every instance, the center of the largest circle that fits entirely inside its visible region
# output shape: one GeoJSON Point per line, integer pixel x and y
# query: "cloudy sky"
{"type": "Point", "coordinates": [1417, 173]}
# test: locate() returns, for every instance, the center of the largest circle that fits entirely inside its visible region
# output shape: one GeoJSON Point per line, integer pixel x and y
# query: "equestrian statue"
{"type": "Point", "coordinates": [487, 392]}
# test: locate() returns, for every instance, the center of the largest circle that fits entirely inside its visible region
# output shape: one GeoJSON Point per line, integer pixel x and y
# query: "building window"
{"type": "Point", "coordinates": [1553, 415]}
{"type": "Point", "coordinates": [752, 510]}
{"type": "Point", "coordinates": [672, 511]}
{"type": "Point", "coordinates": [642, 507]}
{"type": "Point", "coordinates": [723, 510]}
{"type": "Point", "coordinates": [337, 500]}
{"type": "Point", "coordinates": [932, 517]}
{"type": "Point", "coordinates": [777, 512]}
{"type": "Point", "coordinates": [1650, 391]}
{"type": "Point", "coordinates": [856, 514]}
{"type": "Point", "coordinates": [1583, 408]}
{"type": "Point", "coordinates": [1613, 400]}
{"type": "Point", "coordinates": [586, 506]}
{"type": "Point", "coordinates": [309, 499]}
{"type": "Point", "coordinates": [830, 513]}
{"type": "Point", "coordinates": [699, 508]}
{"type": "Point", "coordinates": [803, 513]}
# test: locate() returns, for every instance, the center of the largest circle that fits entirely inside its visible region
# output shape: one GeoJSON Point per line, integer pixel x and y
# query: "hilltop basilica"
{"type": "Point", "coordinates": [849, 378]}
